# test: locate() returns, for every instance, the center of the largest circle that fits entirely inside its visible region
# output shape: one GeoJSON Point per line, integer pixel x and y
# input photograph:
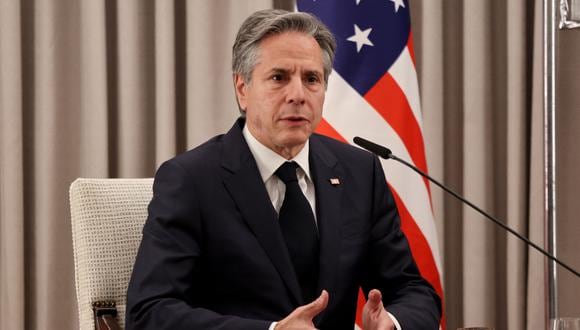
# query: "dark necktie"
{"type": "Point", "coordinates": [299, 230]}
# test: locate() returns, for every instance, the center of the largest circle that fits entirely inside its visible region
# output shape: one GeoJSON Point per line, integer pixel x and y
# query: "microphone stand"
{"type": "Point", "coordinates": [386, 153]}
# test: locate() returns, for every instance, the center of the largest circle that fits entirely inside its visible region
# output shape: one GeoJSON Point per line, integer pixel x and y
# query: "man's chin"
{"type": "Point", "coordinates": [292, 140]}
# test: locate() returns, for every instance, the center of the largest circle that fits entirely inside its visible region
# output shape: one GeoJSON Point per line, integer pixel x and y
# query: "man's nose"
{"type": "Point", "coordinates": [295, 91]}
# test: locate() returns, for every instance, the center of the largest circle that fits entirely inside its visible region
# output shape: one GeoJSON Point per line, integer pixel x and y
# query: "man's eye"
{"type": "Point", "coordinates": [312, 79]}
{"type": "Point", "coordinates": [277, 77]}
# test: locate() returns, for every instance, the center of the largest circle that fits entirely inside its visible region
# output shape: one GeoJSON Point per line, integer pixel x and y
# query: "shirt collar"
{"type": "Point", "coordinates": [268, 161]}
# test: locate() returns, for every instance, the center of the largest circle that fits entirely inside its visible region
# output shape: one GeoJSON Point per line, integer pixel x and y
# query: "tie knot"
{"type": "Point", "coordinates": [287, 172]}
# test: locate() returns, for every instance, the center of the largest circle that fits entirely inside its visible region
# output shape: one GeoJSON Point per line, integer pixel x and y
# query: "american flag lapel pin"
{"type": "Point", "coordinates": [334, 181]}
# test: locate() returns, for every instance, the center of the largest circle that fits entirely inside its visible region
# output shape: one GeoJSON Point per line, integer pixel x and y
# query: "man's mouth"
{"type": "Point", "coordinates": [294, 119]}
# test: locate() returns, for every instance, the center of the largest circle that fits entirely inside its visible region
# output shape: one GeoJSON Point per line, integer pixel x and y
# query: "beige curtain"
{"type": "Point", "coordinates": [111, 88]}
{"type": "Point", "coordinates": [96, 88]}
{"type": "Point", "coordinates": [480, 70]}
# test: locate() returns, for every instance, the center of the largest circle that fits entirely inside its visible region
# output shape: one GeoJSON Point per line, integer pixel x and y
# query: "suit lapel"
{"type": "Point", "coordinates": [249, 193]}
{"type": "Point", "coordinates": [325, 167]}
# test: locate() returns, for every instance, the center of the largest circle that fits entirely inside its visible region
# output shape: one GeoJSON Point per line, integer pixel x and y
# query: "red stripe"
{"type": "Point", "coordinates": [360, 304]}
{"type": "Point", "coordinates": [419, 248]}
{"type": "Point", "coordinates": [411, 47]}
{"type": "Point", "coordinates": [324, 128]}
{"type": "Point", "coordinates": [391, 103]}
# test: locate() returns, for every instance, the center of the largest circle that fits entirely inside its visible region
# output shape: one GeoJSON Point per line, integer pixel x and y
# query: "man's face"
{"type": "Point", "coordinates": [283, 101]}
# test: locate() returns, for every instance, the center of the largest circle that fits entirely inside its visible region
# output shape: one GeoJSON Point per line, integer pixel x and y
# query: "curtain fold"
{"type": "Point", "coordinates": [480, 78]}
{"type": "Point", "coordinates": [136, 78]}
{"type": "Point", "coordinates": [479, 237]}
{"type": "Point", "coordinates": [210, 41]}
{"type": "Point", "coordinates": [93, 139]}
{"type": "Point", "coordinates": [12, 254]}
{"type": "Point", "coordinates": [518, 86]}
{"type": "Point", "coordinates": [165, 80]}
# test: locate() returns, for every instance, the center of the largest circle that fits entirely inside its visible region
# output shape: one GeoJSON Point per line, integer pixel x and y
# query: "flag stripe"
{"type": "Point", "coordinates": [411, 46]}
{"type": "Point", "coordinates": [390, 102]}
{"type": "Point", "coordinates": [403, 72]}
{"type": "Point", "coordinates": [324, 128]}
{"type": "Point", "coordinates": [360, 304]}
{"type": "Point", "coordinates": [419, 248]}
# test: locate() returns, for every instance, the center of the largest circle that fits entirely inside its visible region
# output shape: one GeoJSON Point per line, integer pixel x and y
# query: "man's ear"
{"type": "Point", "coordinates": [241, 88]}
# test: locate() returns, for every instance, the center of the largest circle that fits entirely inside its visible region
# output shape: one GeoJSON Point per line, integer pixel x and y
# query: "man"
{"type": "Point", "coordinates": [272, 226]}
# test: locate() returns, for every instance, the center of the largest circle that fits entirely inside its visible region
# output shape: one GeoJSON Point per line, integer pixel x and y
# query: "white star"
{"type": "Point", "coordinates": [361, 38]}
{"type": "Point", "coordinates": [398, 3]}
{"type": "Point", "coordinates": [357, 2]}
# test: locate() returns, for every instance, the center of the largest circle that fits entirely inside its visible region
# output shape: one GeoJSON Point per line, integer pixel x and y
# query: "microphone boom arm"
{"type": "Point", "coordinates": [386, 153]}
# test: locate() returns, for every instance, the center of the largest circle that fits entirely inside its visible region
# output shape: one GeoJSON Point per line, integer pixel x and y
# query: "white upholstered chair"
{"type": "Point", "coordinates": [107, 220]}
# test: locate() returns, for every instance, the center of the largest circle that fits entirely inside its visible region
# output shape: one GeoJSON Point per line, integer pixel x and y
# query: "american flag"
{"type": "Point", "coordinates": [373, 92]}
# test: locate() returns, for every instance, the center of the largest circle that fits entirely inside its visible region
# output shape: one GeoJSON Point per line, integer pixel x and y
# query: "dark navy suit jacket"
{"type": "Point", "coordinates": [213, 257]}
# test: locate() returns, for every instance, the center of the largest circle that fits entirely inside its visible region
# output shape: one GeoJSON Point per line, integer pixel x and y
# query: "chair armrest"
{"type": "Point", "coordinates": [105, 313]}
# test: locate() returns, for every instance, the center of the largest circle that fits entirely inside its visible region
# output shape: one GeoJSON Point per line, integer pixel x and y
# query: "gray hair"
{"type": "Point", "coordinates": [264, 23]}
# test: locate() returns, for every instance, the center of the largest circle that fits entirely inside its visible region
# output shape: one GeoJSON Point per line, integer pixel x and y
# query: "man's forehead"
{"type": "Point", "coordinates": [288, 41]}
{"type": "Point", "coordinates": [287, 47]}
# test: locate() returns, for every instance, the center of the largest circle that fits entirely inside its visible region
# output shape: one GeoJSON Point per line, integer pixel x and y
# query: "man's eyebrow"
{"type": "Point", "coordinates": [285, 70]}
{"type": "Point", "coordinates": [278, 70]}
{"type": "Point", "coordinates": [314, 72]}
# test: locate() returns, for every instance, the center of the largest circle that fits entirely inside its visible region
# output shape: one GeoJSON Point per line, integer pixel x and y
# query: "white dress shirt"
{"type": "Point", "coordinates": [268, 162]}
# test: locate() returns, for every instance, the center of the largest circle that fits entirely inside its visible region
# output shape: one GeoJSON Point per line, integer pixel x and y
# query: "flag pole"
{"type": "Point", "coordinates": [549, 132]}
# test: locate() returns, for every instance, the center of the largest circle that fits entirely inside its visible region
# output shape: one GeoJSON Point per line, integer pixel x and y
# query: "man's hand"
{"type": "Point", "coordinates": [375, 316]}
{"type": "Point", "coordinates": [301, 317]}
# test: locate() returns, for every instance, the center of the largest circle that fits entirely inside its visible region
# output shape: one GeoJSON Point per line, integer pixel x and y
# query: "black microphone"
{"type": "Point", "coordinates": [386, 153]}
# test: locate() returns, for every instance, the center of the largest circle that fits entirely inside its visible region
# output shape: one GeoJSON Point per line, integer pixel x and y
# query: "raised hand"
{"type": "Point", "coordinates": [375, 316]}
{"type": "Point", "coordinates": [301, 317]}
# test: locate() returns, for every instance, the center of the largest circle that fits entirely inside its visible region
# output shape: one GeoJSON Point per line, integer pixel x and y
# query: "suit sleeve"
{"type": "Point", "coordinates": [164, 290]}
{"type": "Point", "coordinates": [392, 269]}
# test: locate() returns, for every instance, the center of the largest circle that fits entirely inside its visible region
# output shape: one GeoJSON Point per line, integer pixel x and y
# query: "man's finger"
{"type": "Point", "coordinates": [317, 306]}
{"type": "Point", "coordinates": [375, 299]}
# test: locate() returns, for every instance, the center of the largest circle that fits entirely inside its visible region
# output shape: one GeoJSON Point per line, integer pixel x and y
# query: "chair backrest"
{"type": "Point", "coordinates": [107, 222]}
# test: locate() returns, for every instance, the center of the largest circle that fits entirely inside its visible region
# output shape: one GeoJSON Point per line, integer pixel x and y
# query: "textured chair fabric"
{"type": "Point", "coordinates": [107, 222]}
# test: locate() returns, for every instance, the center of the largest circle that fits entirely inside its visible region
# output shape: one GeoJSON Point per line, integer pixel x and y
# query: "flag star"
{"type": "Point", "coordinates": [361, 38]}
{"type": "Point", "coordinates": [398, 3]}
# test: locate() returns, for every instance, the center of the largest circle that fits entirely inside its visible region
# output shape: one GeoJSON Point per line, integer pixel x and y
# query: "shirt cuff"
{"type": "Point", "coordinates": [397, 325]}
{"type": "Point", "coordinates": [273, 325]}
